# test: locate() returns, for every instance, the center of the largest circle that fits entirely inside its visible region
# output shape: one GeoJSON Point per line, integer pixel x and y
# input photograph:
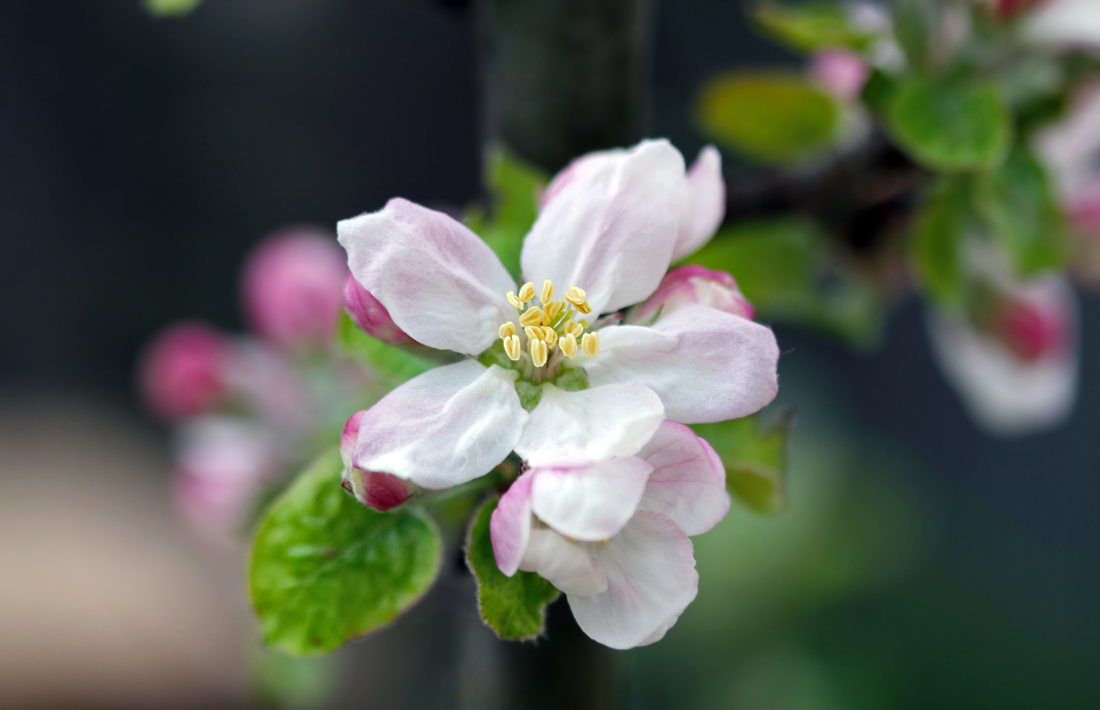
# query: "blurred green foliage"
{"type": "Point", "coordinates": [514, 188]}
{"type": "Point", "coordinates": [755, 458]}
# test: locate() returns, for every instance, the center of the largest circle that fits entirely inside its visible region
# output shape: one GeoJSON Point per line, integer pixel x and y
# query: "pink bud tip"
{"type": "Point", "coordinates": [291, 287]}
{"type": "Point", "coordinates": [1031, 333]}
{"type": "Point", "coordinates": [840, 72]}
{"type": "Point", "coordinates": [181, 371]}
{"type": "Point", "coordinates": [370, 315]}
{"type": "Point", "coordinates": [687, 285]}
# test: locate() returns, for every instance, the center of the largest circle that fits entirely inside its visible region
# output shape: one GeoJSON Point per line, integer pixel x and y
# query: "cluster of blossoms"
{"type": "Point", "coordinates": [247, 409]}
{"type": "Point", "coordinates": [587, 373]}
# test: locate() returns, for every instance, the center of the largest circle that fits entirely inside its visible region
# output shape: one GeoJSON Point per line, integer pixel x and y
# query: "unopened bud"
{"type": "Point", "coordinates": [370, 315]}
{"type": "Point", "coordinates": [840, 72]}
{"type": "Point", "coordinates": [381, 491]}
{"type": "Point", "coordinates": [182, 370]}
{"type": "Point", "coordinates": [687, 285]}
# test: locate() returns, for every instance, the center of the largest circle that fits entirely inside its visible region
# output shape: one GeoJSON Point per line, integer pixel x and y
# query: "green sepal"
{"type": "Point", "coordinates": [529, 393]}
{"type": "Point", "coordinates": [755, 458]}
{"type": "Point", "coordinates": [514, 607]}
{"type": "Point", "coordinates": [572, 379]}
{"type": "Point", "coordinates": [325, 569]}
{"type": "Point", "coordinates": [390, 361]}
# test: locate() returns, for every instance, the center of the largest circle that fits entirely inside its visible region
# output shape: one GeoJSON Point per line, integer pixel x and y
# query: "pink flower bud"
{"type": "Point", "coordinates": [291, 285]}
{"type": "Point", "coordinates": [1007, 9]}
{"type": "Point", "coordinates": [1031, 330]}
{"type": "Point", "coordinates": [370, 315]}
{"type": "Point", "coordinates": [182, 370]}
{"type": "Point", "coordinates": [686, 285]}
{"type": "Point", "coordinates": [840, 72]}
{"type": "Point", "coordinates": [374, 489]}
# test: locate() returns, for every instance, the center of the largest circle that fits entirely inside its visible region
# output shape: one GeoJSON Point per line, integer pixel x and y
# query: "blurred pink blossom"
{"type": "Point", "coordinates": [182, 370]}
{"type": "Point", "coordinates": [840, 72]}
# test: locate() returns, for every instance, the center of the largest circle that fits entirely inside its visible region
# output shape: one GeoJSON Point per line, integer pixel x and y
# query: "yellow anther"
{"type": "Point", "coordinates": [568, 345]}
{"type": "Point", "coordinates": [527, 292]}
{"type": "Point", "coordinates": [511, 296]}
{"type": "Point", "coordinates": [591, 344]}
{"type": "Point", "coordinates": [533, 316]}
{"type": "Point", "coordinates": [539, 352]}
{"type": "Point", "coordinates": [534, 332]}
{"type": "Point", "coordinates": [576, 329]}
{"type": "Point", "coordinates": [507, 330]}
{"type": "Point", "coordinates": [576, 296]}
{"type": "Point", "coordinates": [512, 347]}
{"type": "Point", "coordinates": [547, 291]}
{"type": "Point", "coordinates": [549, 335]}
{"type": "Point", "coordinates": [554, 309]}
{"type": "Point", "coordinates": [583, 307]}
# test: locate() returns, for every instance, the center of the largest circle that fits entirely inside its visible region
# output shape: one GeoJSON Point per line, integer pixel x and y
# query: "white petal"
{"type": "Point", "coordinates": [706, 365]}
{"type": "Point", "coordinates": [510, 525]}
{"type": "Point", "coordinates": [566, 565]}
{"type": "Point", "coordinates": [1065, 22]}
{"type": "Point", "coordinates": [1004, 395]}
{"type": "Point", "coordinates": [592, 502]}
{"type": "Point", "coordinates": [651, 579]}
{"type": "Point", "coordinates": [707, 203]}
{"type": "Point", "coordinates": [612, 227]}
{"type": "Point", "coordinates": [688, 483]}
{"type": "Point", "coordinates": [589, 425]}
{"type": "Point", "coordinates": [440, 283]}
{"type": "Point", "coordinates": [445, 427]}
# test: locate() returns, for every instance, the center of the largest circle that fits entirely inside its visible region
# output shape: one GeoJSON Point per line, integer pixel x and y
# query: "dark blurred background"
{"type": "Point", "coordinates": [140, 159]}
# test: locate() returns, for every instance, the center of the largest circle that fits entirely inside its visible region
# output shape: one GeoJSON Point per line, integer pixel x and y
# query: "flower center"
{"type": "Point", "coordinates": [549, 333]}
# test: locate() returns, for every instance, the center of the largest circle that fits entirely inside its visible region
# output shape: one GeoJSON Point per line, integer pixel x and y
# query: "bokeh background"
{"type": "Point", "coordinates": [921, 564]}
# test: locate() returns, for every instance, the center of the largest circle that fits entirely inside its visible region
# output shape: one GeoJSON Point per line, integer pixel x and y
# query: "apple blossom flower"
{"type": "Point", "coordinates": [182, 370]}
{"type": "Point", "coordinates": [370, 315]}
{"type": "Point", "coordinates": [371, 488]}
{"type": "Point", "coordinates": [552, 376]}
{"type": "Point", "coordinates": [613, 535]}
{"type": "Point", "coordinates": [1064, 23]}
{"type": "Point", "coordinates": [841, 72]}
{"type": "Point", "coordinates": [690, 284]}
{"type": "Point", "coordinates": [291, 287]}
{"type": "Point", "coordinates": [1016, 372]}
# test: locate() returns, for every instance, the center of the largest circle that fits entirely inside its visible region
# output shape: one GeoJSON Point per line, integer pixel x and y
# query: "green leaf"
{"type": "Point", "coordinates": [810, 27]}
{"type": "Point", "coordinates": [1021, 211]}
{"type": "Point", "coordinates": [514, 187]}
{"type": "Point", "coordinates": [949, 126]}
{"type": "Point", "coordinates": [770, 116]}
{"type": "Point", "coordinates": [389, 361]}
{"type": "Point", "coordinates": [937, 239]}
{"type": "Point", "coordinates": [513, 606]}
{"type": "Point", "coordinates": [755, 460]}
{"type": "Point", "coordinates": [326, 569]}
{"type": "Point", "coordinates": [170, 8]}
{"type": "Point", "coordinates": [789, 270]}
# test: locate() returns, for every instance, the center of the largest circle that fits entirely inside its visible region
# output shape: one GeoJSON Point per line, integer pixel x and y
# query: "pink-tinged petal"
{"type": "Point", "coordinates": [182, 371]}
{"type": "Point", "coordinates": [510, 525]}
{"type": "Point", "coordinates": [590, 503]}
{"type": "Point", "coordinates": [443, 428]}
{"type": "Point", "coordinates": [374, 489]}
{"type": "Point", "coordinates": [688, 483]}
{"type": "Point", "coordinates": [612, 228]}
{"type": "Point", "coordinates": [593, 424]}
{"type": "Point", "coordinates": [349, 437]}
{"type": "Point", "coordinates": [687, 285]}
{"type": "Point", "coordinates": [439, 282]}
{"type": "Point", "coordinates": [1004, 393]}
{"type": "Point", "coordinates": [291, 287]}
{"type": "Point", "coordinates": [706, 365]}
{"type": "Point", "coordinates": [569, 566]}
{"type": "Point", "coordinates": [574, 170]}
{"type": "Point", "coordinates": [706, 203]}
{"type": "Point", "coordinates": [370, 315]}
{"type": "Point", "coordinates": [651, 579]}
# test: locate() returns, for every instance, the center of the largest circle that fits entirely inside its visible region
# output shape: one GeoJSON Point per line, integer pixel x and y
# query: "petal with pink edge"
{"type": "Point", "coordinates": [612, 227]}
{"type": "Point", "coordinates": [443, 428]}
{"type": "Point", "coordinates": [706, 365]}
{"type": "Point", "coordinates": [439, 282]}
{"type": "Point", "coordinates": [651, 579]}
{"type": "Point", "coordinates": [569, 428]}
{"type": "Point", "coordinates": [706, 203]}
{"type": "Point", "coordinates": [510, 525]}
{"type": "Point", "coordinates": [590, 503]}
{"type": "Point", "coordinates": [688, 483]}
{"type": "Point", "coordinates": [567, 565]}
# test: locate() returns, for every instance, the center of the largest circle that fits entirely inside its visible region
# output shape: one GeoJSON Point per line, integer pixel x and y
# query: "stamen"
{"type": "Point", "coordinates": [527, 292]}
{"type": "Point", "coordinates": [539, 352]}
{"type": "Point", "coordinates": [512, 347]}
{"type": "Point", "coordinates": [547, 292]}
{"type": "Point", "coordinates": [533, 332]}
{"type": "Point", "coordinates": [554, 309]}
{"type": "Point", "coordinates": [507, 330]}
{"type": "Point", "coordinates": [591, 344]}
{"type": "Point", "coordinates": [568, 345]}
{"type": "Point", "coordinates": [576, 329]}
{"type": "Point", "coordinates": [516, 303]}
{"type": "Point", "coordinates": [532, 316]}
{"type": "Point", "coordinates": [578, 298]}
{"type": "Point", "coordinates": [549, 335]}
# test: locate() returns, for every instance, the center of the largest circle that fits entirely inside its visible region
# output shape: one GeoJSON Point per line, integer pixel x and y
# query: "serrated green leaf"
{"type": "Point", "coordinates": [513, 606]}
{"type": "Point", "coordinates": [788, 270]}
{"type": "Point", "coordinates": [514, 187]}
{"type": "Point", "coordinates": [326, 569]}
{"type": "Point", "coordinates": [389, 361]}
{"type": "Point", "coordinates": [755, 460]}
{"type": "Point", "coordinates": [810, 27]}
{"type": "Point", "coordinates": [1020, 210]}
{"type": "Point", "coordinates": [937, 239]}
{"type": "Point", "coordinates": [770, 116]}
{"type": "Point", "coordinates": [951, 126]}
